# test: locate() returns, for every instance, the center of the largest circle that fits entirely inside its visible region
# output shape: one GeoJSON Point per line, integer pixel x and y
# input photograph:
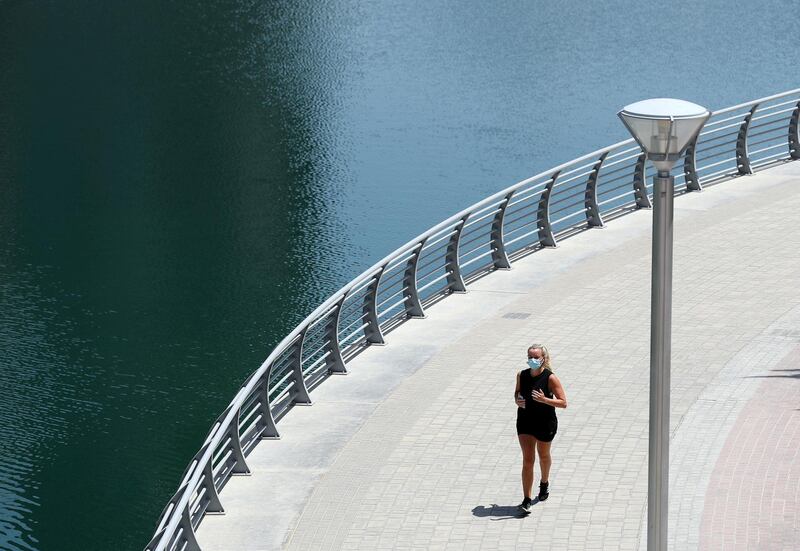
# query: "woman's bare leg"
{"type": "Point", "coordinates": [528, 445]}
{"type": "Point", "coordinates": [544, 459]}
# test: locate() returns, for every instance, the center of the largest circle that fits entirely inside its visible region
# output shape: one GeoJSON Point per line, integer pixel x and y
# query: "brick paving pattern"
{"type": "Point", "coordinates": [435, 462]}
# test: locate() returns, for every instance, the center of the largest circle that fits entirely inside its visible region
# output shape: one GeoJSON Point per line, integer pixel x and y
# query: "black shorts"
{"type": "Point", "coordinates": [542, 431]}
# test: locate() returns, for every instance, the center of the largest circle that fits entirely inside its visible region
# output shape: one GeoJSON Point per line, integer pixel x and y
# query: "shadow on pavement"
{"type": "Point", "coordinates": [795, 375]}
{"type": "Point", "coordinates": [501, 512]}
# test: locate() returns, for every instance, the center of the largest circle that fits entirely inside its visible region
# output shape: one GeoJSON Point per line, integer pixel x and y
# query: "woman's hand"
{"type": "Point", "coordinates": [538, 396]}
{"type": "Point", "coordinates": [520, 401]}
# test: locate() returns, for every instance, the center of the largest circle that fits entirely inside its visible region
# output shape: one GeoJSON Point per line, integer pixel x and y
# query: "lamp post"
{"type": "Point", "coordinates": [664, 128]}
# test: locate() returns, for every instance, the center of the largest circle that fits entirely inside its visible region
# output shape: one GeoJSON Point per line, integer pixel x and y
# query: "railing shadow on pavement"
{"type": "Point", "coordinates": [526, 218]}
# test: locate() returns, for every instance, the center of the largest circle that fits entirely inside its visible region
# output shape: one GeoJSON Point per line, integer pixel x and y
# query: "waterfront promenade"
{"type": "Point", "coordinates": [416, 448]}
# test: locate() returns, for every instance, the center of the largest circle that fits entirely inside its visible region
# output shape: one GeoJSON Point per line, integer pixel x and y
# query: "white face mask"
{"type": "Point", "coordinates": [534, 363]}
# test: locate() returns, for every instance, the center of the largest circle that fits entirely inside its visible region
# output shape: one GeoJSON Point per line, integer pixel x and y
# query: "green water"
{"type": "Point", "coordinates": [181, 183]}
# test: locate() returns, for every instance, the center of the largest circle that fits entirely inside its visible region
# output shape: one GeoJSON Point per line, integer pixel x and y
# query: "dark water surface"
{"type": "Point", "coordinates": [181, 183]}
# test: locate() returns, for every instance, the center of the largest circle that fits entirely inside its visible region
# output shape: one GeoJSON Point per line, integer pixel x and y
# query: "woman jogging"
{"type": "Point", "coordinates": [537, 393]}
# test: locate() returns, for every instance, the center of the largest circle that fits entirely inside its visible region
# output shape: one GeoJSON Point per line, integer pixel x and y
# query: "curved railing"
{"type": "Point", "coordinates": [536, 213]}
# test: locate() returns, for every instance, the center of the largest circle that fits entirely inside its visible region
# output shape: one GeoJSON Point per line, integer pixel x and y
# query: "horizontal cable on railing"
{"type": "Point", "coordinates": [576, 169]}
{"type": "Point", "coordinates": [175, 531]}
{"type": "Point", "coordinates": [761, 100]}
{"type": "Point", "coordinates": [567, 217]}
{"type": "Point", "coordinates": [397, 303]}
{"type": "Point", "coordinates": [726, 172]}
{"type": "Point", "coordinates": [244, 421]}
{"type": "Point", "coordinates": [285, 392]}
{"type": "Point", "coordinates": [430, 244]}
{"type": "Point", "coordinates": [718, 163]}
{"type": "Point", "coordinates": [324, 346]}
{"type": "Point", "coordinates": [437, 261]}
{"type": "Point", "coordinates": [567, 207]}
{"type": "Point", "coordinates": [472, 221]}
{"type": "Point", "coordinates": [386, 312]}
{"type": "Point", "coordinates": [400, 263]}
{"type": "Point", "coordinates": [699, 158]}
{"type": "Point", "coordinates": [757, 151]}
{"type": "Point", "coordinates": [773, 124]}
{"type": "Point", "coordinates": [714, 143]}
{"type": "Point", "coordinates": [767, 159]}
{"type": "Point", "coordinates": [423, 278]}
{"type": "Point", "coordinates": [772, 118]}
{"type": "Point", "coordinates": [478, 248]}
{"type": "Point", "coordinates": [615, 198]}
{"type": "Point", "coordinates": [428, 285]}
{"type": "Point", "coordinates": [714, 122]}
{"type": "Point", "coordinates": [281, 380]}
{"type": "Point", "coordinates": [351, 307]}
{"type": "Point", "coordinates": [322, 317]}
{"type": "Point", "coordinates": [604, 185]}
{"type": "Point", "coordinates": [351, 324]}
{"type": "Point", "coordinates": [621, 152]}
{"type": "Point", "coordinates": [607, 190]}
{"type": "Point", "coordinates": [751, 144]}
{"type": "Point", "coordinates": [523, 236]}
{"type": "Point", "coordinates": [567, 198]}
{"type": "Point", "coordinates": [480, 235]}
{"type": "Point", "coordinates": [524, 211]}
{"type": "Point", "coordinates": [561, 181]}
{"type": "Point", "coordinates": [362, 286]}
{"type": "Point", "coordinates": [777, 132]}
{"type": "Point", "coordinates": [525, 195]}
{"type": "Point", "coordinates": [526, 215]}
{"type": "Point", "coordinates": [736, 125]}
{"type": "Point", "coordinates": [390, 297]}
{"type": "Point", "coordinates": [483, 255]}
{"type": "Point", "coordinates": [623, 167]}
{"type": "Point", "coordinates": [770, 106]}
{"type": "Point", "coordinates": [491, 206]}
{"type": "Point", "coordinates": [354, 333]}
{"type": "Point", "coordinates": [523, 226]}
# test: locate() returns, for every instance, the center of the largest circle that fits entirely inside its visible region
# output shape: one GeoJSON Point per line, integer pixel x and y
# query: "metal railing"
{"type": "Point", "coordinates": [534, 214]}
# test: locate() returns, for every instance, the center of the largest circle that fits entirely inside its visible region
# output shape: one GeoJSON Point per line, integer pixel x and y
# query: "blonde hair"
{"type": "Point", "coordinates": [545, 355]}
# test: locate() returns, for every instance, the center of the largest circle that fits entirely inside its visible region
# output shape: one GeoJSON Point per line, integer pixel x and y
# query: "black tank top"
{"type": "Point", "coordinates": [533, 409]}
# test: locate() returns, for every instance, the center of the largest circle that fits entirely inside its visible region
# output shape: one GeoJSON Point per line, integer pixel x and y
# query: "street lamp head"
{"type": "Point", "coordinates": [664, 127]}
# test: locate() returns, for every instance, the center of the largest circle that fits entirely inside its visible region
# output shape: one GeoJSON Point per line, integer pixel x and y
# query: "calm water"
{"type": "Point", "coordinates": [180, 184]}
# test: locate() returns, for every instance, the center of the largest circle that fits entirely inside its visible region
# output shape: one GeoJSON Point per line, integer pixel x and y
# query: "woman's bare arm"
{"type": "Point", "coordinates": [520, 403]}
{"type": "Point", "coordinates": [559, 400]}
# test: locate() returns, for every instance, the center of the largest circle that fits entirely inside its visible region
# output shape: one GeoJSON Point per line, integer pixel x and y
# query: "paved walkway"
{"type": "Point", "coordinates": [416, 447]}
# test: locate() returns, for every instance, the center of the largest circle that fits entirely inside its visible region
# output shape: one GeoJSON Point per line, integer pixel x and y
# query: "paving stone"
{"type": "Point", "coordinates": [416, 447]}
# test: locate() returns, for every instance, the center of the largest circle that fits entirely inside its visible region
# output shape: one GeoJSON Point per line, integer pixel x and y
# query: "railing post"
{"type": "Point", "coordinates": [742, 156]}
{"type": "Point", "coordinates": [155, 540]}
{"type": "Point", "coordinates": [270, 431]}
{"type": "Point", "coordinates": [546, 237]}
{"type": "Point", "coordinates": [413, 303]}
{"type": "Point", "coordinates": [214, 504]}
{"type": "Point", "coordinates": [372, 332]}
{"type": "Point", "coordinates": [455, 282]}
{"type": "Point", "coordinates": [499, 256]}
{"type": "Point", "coordinates": [640, 184]}
{"type": "Point", "coordinates": [334, 362]}
{"type": "Point", "coordinates": [593, 217]}
{"type": "Point", "coordinates": [240, 467]}
{"type": "Point", "coordinates": [794, 134]}
{"type": "Point", "coordinates": [188, 532]}
{"type": "Point", "coordinates": [300, 391]}
{"type": "Point", "coordinates": [690, 167]}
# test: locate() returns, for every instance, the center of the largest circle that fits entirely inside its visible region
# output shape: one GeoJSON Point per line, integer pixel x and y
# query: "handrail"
{"type": "Point", "coordinates": [253, 412]}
